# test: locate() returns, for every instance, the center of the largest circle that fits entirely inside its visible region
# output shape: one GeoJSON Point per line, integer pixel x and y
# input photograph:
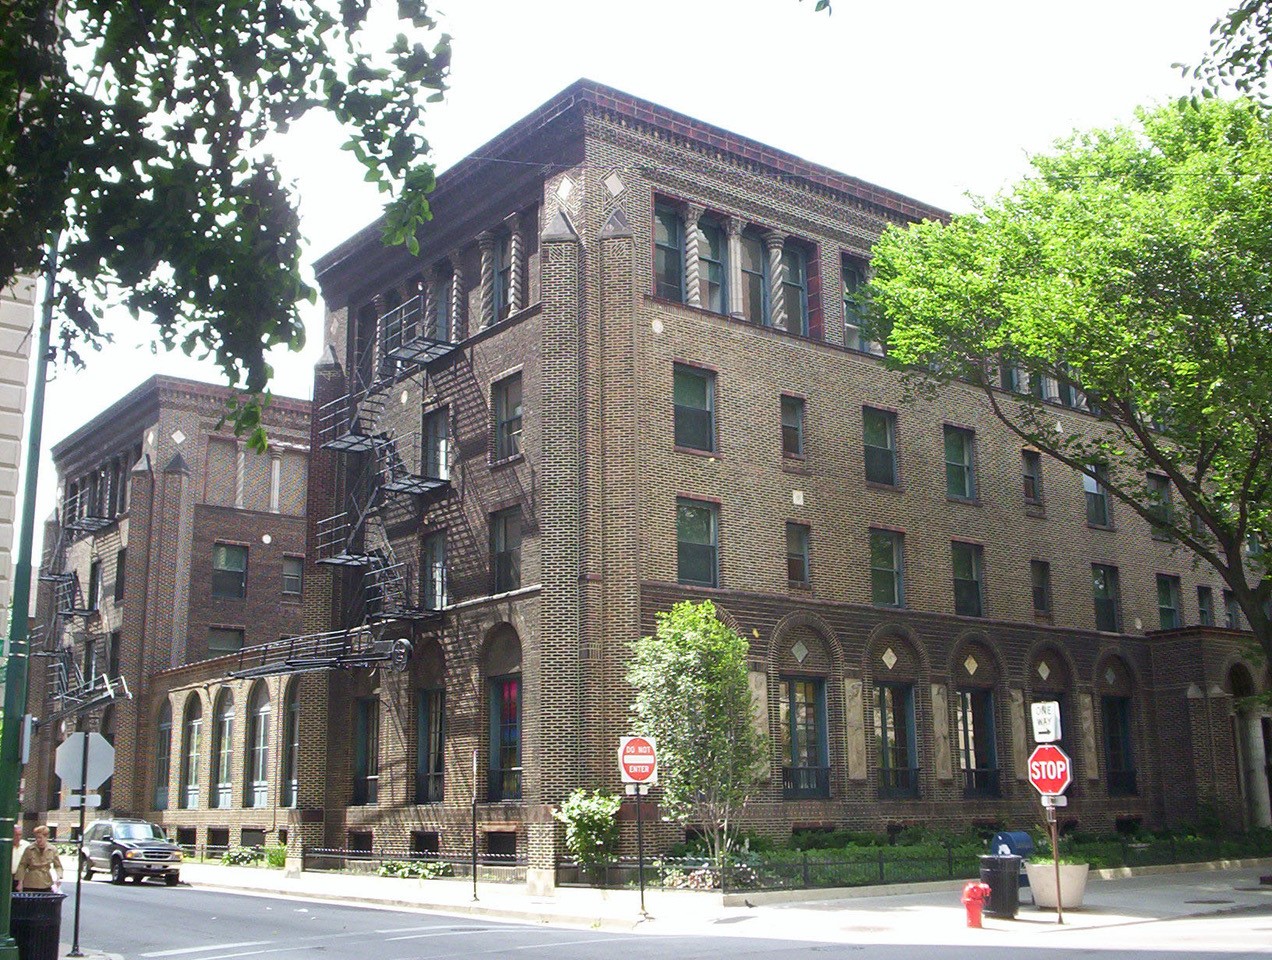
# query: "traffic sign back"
{"type": "Point", "coordinates": [69, 762]}
{"type": "Point", "coordinates": [1050, 769]}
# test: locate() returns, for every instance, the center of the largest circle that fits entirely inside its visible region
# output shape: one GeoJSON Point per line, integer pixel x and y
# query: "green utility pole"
{"type": "Point", "coordinates": [15, 688]}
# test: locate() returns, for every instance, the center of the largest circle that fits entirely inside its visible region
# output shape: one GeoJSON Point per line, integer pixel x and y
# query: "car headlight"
{"type": "Point", "coordinates": [131, 854]}
{"type": "Point", "coordinates": [177, 856]}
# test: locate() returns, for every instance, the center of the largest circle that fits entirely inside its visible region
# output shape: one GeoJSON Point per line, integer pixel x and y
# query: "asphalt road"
{"type": "Point", "coordinates": [152, 922]}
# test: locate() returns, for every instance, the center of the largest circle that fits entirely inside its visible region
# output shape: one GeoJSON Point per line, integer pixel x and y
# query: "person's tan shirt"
{"type": "Point", "coordinates": [35, 869]}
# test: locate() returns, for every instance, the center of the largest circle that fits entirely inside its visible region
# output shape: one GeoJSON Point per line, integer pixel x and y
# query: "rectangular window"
{"type": "Point", "coordinates": [854, 274]}
{"type": "Point", "coordinates": [1097, 498]}
{"type": "Point", "coordinates": [1205, 606]}
{"type": "Point", "coordinates": [1231, 611]}
{"type": "Point", "coordinates": [693, 396]}
{"type": "Point", "coordinates": [94, 584]}
{"type": "Point", "coordinates": [293, 576]}
{"type": "Point", "coordinates": [669, 253]}
{"type": "Point", "coordinates": [437, 444]}
{"type": "Point", "coordinates": [366, 751]}
{"type": "Point", "coordinates": [792, 426]}
{"type": "Point", "coordinates": [1009, 376]}
{"type": "Point", "coordinates": [879, 430]}
{"type": "Point", "coordinates": [894, 734]}
{"type": "Point", "coordinates": [960, 481]}
{"type": "Point", "coordinates": [1118, 754]}
{"type": "Point", "coordinates": [163, 759]}
{"type": "Point", "coordinates": [1168, 601]}
{"type": "Point", "coordinates": [755, 280]}
{"type": "Point", "coordinates": [805, 763]}
{"type": "Point", "coordinates": [439, 320]}
{"type": "Point", "coordinates": [1107, 596]}
{"type": "Point", "coordinates": [886, 579]}
{"type": "Point", "coordinates": [1159, 505]}
{"type": "Point", "coordinates": [697, 543]}
{"type": "Point", "coordinates": [429, 753]}
{"type": "Point", "coordinates": [968, 579]}
{"type": "Point", "coordinates": [433, 559]}
{"type": "Point", "coordinates": [504, 777]}
{"type": "Point", "coordinates": [507, 405]}
{"type": "Point", "coordinates": [505, 549]}
{"type": "Point", "coordinates": [223, 640]}
{"type": "Point", "coordinates": [1031, 469]}
{"type": "Point", "coordinates": [795, 288]}
{"type": "Point", "coordinates": [121, 558]}
{"type": "Point", "coordinates": [712, 258]}
{"type": "Point", "coordinates": [229, 571]}
{"type": "Point", "coordinates": [797, 570]}
{"type": "Point", "coordinates": [977, 756]}
{"type": "Point", "coordinates": [1040, 578]}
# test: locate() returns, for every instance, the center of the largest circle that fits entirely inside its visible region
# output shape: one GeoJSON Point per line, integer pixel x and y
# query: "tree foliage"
{"type": "Point", "coordinates": [139, 132]}
{"type": "Point", "coordinates": [1135, 266]}
{"type": "Point", "coordinates": [591, 825]}
{"type": "Point", "coordinates": [692, 696]}
{"type": "Point", "coordinates": [1240, 52]}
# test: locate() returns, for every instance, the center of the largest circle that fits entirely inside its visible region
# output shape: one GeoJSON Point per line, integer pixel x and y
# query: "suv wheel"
{"type": "Point", "coordinates": [117, 874]}
{"type": "Point", "coordinates": [172, 879]}
{"type": "Point", "coordinates": [86, 869]}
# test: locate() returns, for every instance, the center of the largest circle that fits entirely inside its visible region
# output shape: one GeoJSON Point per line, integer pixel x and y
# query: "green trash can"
{"type": "Point", "coordinates": [35, 923]}
{"type": "Point", "coordinates": [1002, 873]}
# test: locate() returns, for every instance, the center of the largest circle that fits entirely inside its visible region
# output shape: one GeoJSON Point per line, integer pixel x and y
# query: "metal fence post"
{"type": "Point", "coordinates": [881, 864]}
{"type": "Point", "coordinates": [949, 859]}
{"type": "Point", "coordinates": [805, 869]}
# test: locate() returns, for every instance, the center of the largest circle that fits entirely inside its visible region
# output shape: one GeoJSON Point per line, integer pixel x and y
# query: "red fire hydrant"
{"type": "Point", "coordinates": [975, 894]}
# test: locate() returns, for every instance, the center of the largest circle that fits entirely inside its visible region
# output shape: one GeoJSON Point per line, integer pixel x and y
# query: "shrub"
{"type": "Point", "coordinates": [591, 825]}
{"type": "Point", "coordinates": [276, 857]}
{"type": "Point", "coordinates": [415, 869]}
{"type": "Point", "coordinates": [242, 856]}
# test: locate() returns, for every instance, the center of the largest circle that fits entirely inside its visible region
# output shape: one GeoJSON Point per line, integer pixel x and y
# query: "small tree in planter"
{"type": "Point", "coordinates": [1041, 870]}
{"type": "Point", "coordinates": [591, 827]}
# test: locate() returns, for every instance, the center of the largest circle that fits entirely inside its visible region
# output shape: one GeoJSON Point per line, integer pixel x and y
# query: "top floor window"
{"type": "Point", "coordinates": [436, 443]}
{"type": "Point", "coordinates": [713, 258]}
{"type": "Point", "coordinates": [503, 276]}
{"type": "Point", "coordinates": [755, 279]}
{"type": "Point", "coordinates": [694, 398]}
{"type": "Point", "coordinates": [795, 288]}
{"type": "Point", "coordinates": [507, 404]}
{"type": "Point", "coordinates": [229, 571]}
{"type": "Point", "coordinates": [669, 253]}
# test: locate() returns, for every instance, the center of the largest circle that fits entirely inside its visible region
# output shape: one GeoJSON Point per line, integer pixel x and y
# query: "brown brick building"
{"type": "Point", "coordinates": [172, 547]}
{"type": "Point", "coordinates": [623, 371]}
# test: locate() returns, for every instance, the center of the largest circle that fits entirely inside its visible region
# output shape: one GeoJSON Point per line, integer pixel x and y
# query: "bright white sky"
{"type": "Point", "coordinates": [932, 98]}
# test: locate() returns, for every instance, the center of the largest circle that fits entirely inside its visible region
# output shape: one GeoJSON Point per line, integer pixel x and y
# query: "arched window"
{"type": "Point", "coordinates": [1117, 716]}
{"type": "Point", "coordinates": [503, 692]}
{"type": "Point", "coordinates": [256, 790]}
{"type": "Point", "coordinates": [223, 749]}
{"type": "Point", "coordinates": [291, 743]}
{"type": "Point", "coordinates": [163, 756]}
{"type": "Point", "coordinates": [191, 744]}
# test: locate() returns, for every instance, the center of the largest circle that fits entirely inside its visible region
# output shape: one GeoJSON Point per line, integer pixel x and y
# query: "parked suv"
{"type": "Point", "coordinates": [130, 848]}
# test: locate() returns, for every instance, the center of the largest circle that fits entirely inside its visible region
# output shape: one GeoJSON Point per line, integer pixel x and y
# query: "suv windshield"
{"type": "Point", "coordinates": [138, 831]}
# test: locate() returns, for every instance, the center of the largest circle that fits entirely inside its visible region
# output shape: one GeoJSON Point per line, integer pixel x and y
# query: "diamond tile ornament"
{"type": "Point", "coordinates": [1110, 676]}
{"type": "Point", "coordinates": [178, 437]}
{"type": "Point", "coordinates": [970, 665]}
{"type": "Point", "coordinates": [889, 658]}
{"type": "Point", "coordinates": [564, 189]}
{"type": "Point", "coordinates": [613, 184]}
{"type": "Point", "coordinates": [800, 651]}
{"type": "Point", "coordinates": [1044, 671]}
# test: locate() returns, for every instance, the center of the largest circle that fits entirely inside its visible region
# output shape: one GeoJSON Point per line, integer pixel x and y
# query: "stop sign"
{"type": "Point", "coordinates": [1050, 769]}
{"type": "Point", "coordinates": [637, 760]}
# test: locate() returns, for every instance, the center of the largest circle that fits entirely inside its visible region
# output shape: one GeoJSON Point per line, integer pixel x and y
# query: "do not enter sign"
{"type": "Point", "coordinates": [638, 760]}
{"type": "Point", "coordinates": [1050, 769]}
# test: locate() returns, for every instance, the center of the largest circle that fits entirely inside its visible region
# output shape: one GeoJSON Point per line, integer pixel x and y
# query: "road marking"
{"type": "Point", "coordinates": [215, 946]}
{"type": "Point", "coordinates": [572, 943]}
{"type": "Point", "coordinates": [453, 932]}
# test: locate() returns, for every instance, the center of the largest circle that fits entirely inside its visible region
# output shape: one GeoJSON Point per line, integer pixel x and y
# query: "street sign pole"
{"type": "Point", "coordinates": [79, 860]}
{"type": "Point", "coordinates": [641, 790]}
{"type": "Point", "coordinates": [474, 837]}
{"type": "Point", "coordinates": [1055, 859]}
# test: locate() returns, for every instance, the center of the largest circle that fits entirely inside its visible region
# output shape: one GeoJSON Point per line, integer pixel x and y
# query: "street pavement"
{"type": "Point", "coordinates": [1222, 910]}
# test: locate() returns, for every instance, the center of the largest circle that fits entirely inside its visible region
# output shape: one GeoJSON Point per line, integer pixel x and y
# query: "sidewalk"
{"type": "Point", "coordinates": [917, 914]}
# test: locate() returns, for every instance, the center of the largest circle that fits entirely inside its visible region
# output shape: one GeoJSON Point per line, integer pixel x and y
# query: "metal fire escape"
{"type": "Point", "coordinates": [383, 473]}
{"type": "Point", "coordinates": [74, 687]}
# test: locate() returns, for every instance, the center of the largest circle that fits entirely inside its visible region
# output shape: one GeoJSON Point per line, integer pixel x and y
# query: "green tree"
{"type": "Point", "coordinates": [692, 696]}
{"type": "Point", "coordinates": [1240, 52]}
{"type": "Point", "coordinates": [137, 135]}
{"type": "Point", "coordinates": [1135, 266]}
{"type": "Point", "coordinates": [591, 825]}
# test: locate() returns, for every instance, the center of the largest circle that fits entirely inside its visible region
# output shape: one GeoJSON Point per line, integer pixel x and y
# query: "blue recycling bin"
{"type": "Point", "coordinates": [1015, 843]}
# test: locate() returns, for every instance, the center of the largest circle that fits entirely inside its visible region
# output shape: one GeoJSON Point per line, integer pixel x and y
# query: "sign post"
{"type": "Point", "coordinates": [84, 761]}
{"type": "Point", "coordinates": [1051, 772]}
{"type": "Point", "coordinates": [638, 767]}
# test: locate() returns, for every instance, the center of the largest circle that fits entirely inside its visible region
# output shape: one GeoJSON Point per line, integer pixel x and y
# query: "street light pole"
{"type": "Point", "coordinates": [15, 686]}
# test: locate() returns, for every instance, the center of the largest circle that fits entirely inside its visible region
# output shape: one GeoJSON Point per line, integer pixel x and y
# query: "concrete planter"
{"type": "Point", "coordinates": [1073, 881]}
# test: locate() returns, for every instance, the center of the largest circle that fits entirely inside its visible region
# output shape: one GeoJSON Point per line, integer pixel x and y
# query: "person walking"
{"type": "Point", "coordinates": [38, 863]}
{"type": "Point", "coordinates": [19, 847]}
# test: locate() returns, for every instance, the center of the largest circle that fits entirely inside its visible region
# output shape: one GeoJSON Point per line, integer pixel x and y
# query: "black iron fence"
{"type": "Point", "coordinates": [491, 867]}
